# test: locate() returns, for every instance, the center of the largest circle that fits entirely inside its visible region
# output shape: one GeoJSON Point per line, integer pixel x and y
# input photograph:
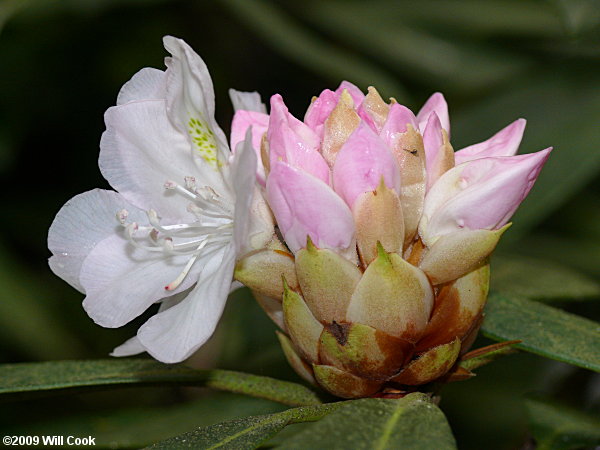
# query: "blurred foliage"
{"type": "Point", "coordinates": [495, 60]}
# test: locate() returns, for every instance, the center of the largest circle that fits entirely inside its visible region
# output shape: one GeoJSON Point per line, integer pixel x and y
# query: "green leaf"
{"type": "Point", "coordinates": [412, 422]}
{"type": "Point", "coordinates": [309, 49]}
{"type": "Point", "coordinates": [578, 253]}
{"type": "Point", "coordinates": [68, 375]}
{"type": "Point", "coordinates": [246, 433]}
{"type": "Point", "coordinates": [543, 330]}
{"type": "Point", "coordinates": [540, 279]}
{"type": "Point", "coordinates": [142, 426]}
{"type": "Point", "coordinates": [558, 427]}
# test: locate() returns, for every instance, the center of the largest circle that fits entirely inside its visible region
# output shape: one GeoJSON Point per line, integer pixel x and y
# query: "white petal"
{"type": "Point", "coordinates": [175, 334]}
{"type": "Point", "coordinates": [147, 84]}
{"type": "Point", "coordinates": [191, 103]}
{"type": "Point", "coordinates": [253, 224]}
{"type": "Point", "coordinates": [140, 150]}
{"type": "Point", "coordinates": [248, 101]}
{"type": "Point", "coordinates": [235, 286]}
{"type": "Point", "coordinates": [80, 225]}
{"type": "Point", "coordinates": [122, 281]}
{"type": "Point", "coordinates": [130, 347]}
{"type": "Point", "coordinates": [133, 346]}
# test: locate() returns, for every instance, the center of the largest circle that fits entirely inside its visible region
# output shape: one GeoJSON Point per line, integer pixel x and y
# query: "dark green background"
{"type": "Point", "coordinates": [63, 62]}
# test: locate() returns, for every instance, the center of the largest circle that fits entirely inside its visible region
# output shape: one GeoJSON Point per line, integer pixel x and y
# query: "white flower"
{"type": "Point", "coordinates": [185, 208]}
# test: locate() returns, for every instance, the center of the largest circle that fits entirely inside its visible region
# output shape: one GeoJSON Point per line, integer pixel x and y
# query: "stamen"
{"type": "Point", "coordinates": [172, 186]}
{"type": "Point", "coordinates": [177, 281]}
{"type": "Point", "coordinates": [195, 209]}
{"type": "Point", "coordinates": [207, 234]}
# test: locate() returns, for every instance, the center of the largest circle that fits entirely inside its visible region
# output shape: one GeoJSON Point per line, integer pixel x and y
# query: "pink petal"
{"type": "Point", "coordinates": [366, 118]}
{"type": "Point", "coordinates": [242, 120]}
{"type": "Point", "coordinates": [356, 94]}
{"type": "Point", "coordinates": [433, 139]}
{"type": "Point", "coordinates": [504, 143]}
{"type": "Point", "coordinates": [398, 117]}
{"type": "Point", "coordinates": [360, 164]}
{"type": "Point", "coordinates": [320, 109]}
{"type": "Point", "coordinates": [305, 206]}
{"type": "Point", "coordinates": [291, 141]}
{"type": "Point", "coordinates": [436, 103]}
{"type": "Point", "coordinates": [479, 194]}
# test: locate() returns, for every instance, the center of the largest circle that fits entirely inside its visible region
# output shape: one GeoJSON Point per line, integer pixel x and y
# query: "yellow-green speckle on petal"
{"type": "Point", "coordinates": [204, 141]}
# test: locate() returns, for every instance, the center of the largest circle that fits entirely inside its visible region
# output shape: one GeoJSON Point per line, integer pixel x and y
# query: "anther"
{"type": "Point", "coordinates": [122, 216]}
{"type": "Point", "coordinates": [131, 228]}
{"type": "Point", "coordinates": [190, 183]}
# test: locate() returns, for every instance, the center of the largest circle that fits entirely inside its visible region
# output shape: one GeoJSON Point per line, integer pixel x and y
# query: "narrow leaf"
{"type": "Point", "coordinates": [141, 426]}
{"type": "Point", "coordinates": [540, 279]}
{"type": "Point", "coordinates": [558, 427]}
{"type": "Point", "coordinates": [412, 422]}
{"type": "Point", "coordinates": [66, 375]}
{"type": "Point", "coordinates": [246, 433]}
{"type": "Point", "coordinates": [482, 356]}
{"type": "Point", "coordinates": [543, 330]}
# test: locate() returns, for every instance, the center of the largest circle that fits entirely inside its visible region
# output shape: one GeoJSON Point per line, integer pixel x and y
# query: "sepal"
{"type": "Point", "coordinates": [457, 309]}
{"type": "Point", "coordinates": [363, 350]}
{"type": "Point", "coordinates": [456, 254]}
{"type": "Point", "coordinates": [378, 218]}
{"type": "Point", "coordinates": [327, 281]}
{"type": "Point", "coordinates": [262, 271]}
{"type": "Point", "coordinates": [344, 384]}
{"type": "Point", "coordinates": [294, 359]}
{"type": "Point", "coordinates": [392, 296]}
{"type": "Point", "coordinates": [304, 329]}
{"type": "Point", "coordinates": [430, 365]}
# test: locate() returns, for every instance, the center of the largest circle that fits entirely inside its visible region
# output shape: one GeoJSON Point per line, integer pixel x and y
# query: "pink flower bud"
{"type": "Point", "coordinates": [293, 142]}
{"type": "Point", "coordinates": [305, 206]}
{"type": "Point", "coordinates": [361, 163]}
{"type": "Point", "coordinates": [479, 194]}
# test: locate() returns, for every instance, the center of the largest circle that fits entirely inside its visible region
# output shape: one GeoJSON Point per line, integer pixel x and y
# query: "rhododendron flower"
{"type": "Point", "coordinates": [185, 208]}
{"type": "Point", "coordinates": [378, 271]}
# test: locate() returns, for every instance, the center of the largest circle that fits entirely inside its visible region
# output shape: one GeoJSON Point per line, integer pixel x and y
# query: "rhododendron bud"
{"type": "Point", "coordinates": [384, 271]}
